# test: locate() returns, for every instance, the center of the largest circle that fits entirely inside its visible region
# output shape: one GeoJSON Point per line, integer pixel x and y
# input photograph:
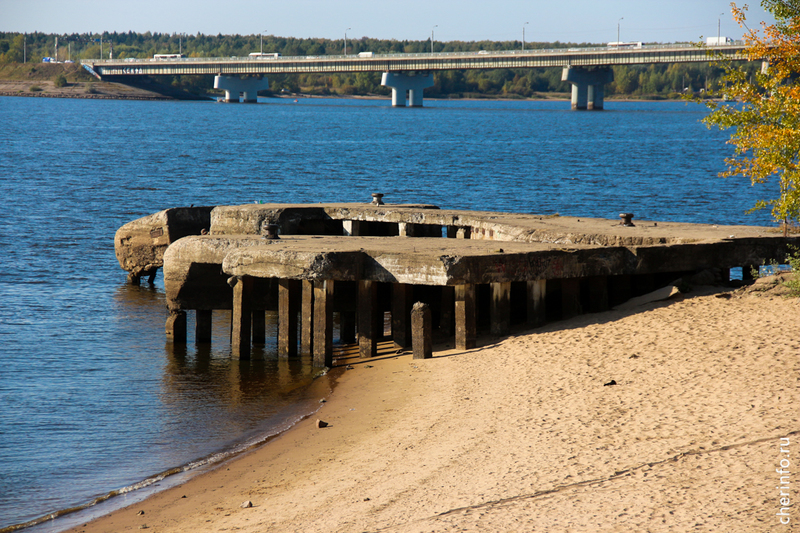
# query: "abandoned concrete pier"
{"type": "Point", "coordinates": [478, 272]}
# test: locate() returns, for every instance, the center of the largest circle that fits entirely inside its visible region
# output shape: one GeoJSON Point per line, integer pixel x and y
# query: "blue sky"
{"type": "Point", "coordinates": [468, 20]}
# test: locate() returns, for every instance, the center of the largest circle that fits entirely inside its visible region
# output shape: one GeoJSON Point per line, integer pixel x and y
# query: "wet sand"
{"type": "Point", "coordinates": [523, 434]}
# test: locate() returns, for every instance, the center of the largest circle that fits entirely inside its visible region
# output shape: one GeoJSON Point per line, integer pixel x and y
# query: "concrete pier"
{"type": "Point", "coordinates": [247, 87]}
{"type": "Point", "coordinates": [364, 260]}
{"type": "Point", "coordinates": [402, 82]}
{"type": "Point", "coordinates": [588, 86]}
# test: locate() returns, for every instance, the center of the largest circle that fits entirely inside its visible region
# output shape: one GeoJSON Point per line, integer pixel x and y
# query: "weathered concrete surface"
{"type": "Point", "coordinates": [193, 278]}
{"type": "Point", "coordinates": [140, 244]}
{"type": "Point", "coordinates": [501, 248]}
{"type": "Point", "coordinates": [456, 261]}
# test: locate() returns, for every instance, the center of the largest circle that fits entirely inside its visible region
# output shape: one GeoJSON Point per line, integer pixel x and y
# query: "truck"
{"type": "Point", "coordinates": [718, 41]}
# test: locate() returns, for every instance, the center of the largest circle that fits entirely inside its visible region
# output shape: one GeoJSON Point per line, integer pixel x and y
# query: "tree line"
{"type": "Point", "coordinates": [658, 81]}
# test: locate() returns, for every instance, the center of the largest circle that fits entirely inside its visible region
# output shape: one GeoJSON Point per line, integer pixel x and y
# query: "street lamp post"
{"type": "Point", "coordinates": [345, 40]}
{"type": "Point", "coordinates": [523, 36]}
{"type": "Point", "coordinates": [262, 42]}
{"type": "Point", "coordinates": [620, 19]}
{"type": "Point", "coordinates": [719, 22]}
{"type": "Point", "coordinates": [436, 26]}
{"type": "Point", "coordinates": [180, 44]}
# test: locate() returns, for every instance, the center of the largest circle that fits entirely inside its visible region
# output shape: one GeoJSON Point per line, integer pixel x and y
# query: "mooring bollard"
{"type": "Point", "coordinates": [626, 219]}
{"type": "Point", "coordinates": [377, 198]}
{"type": "Point", "coordinates": [421, 331]}
{"type": "Point", "coordinates": [271, 231]}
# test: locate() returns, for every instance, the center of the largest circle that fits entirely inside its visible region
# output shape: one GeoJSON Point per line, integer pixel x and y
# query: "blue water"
{"type": "Point", "coordinates": [92, 398]}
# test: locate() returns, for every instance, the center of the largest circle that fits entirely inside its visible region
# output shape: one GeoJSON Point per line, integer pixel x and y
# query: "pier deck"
{"type": "Point", "coordinates": [366, 262]}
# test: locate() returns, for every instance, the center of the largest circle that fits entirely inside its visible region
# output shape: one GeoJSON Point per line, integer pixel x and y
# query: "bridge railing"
{"type": "Point", "coordinates": [399, 55]}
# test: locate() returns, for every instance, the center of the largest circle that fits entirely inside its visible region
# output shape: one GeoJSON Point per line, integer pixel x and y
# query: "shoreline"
{"type": "Point", "coordinates": [705, 384]}
{"type": "Point", "coordinates": [153, 484]}
{"type": "Point", "coordinates": [117, 91]}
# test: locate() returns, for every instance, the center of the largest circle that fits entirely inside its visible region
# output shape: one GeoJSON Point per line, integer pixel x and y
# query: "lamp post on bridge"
{"type": "Point", "coordinates": [436, 26]}
{"type": "Point", "coordinates": [620, 19]}
{"type": "Point", "coordinates": [523, 36]}
{"type": "Point", "coordinates": [345, 40]}
{"type": "Point", "coordinates": [719, 22]}
{"type": "Point", "coordinates": [262, 42]}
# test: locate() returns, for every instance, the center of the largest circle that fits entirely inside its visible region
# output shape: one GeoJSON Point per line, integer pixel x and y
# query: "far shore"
{"type": "Point", "coordinates": [669, 417]}
{"type": "Point", "coordinates": [99, 90]}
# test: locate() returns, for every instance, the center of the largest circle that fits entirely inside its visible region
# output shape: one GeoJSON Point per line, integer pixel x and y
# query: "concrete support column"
{"type": "Point", "coordinates": [287, 317]}
{"type": "Point", "coordinates": [248, 87]}
{"type": "Point", "coordinates": [580, 96]}
{"type": "Point", "coordinates": [202, 325]}
{"type": "Point", "coordinates": [447, 311]}
{"type": "Point", "coordinates": [400, 82]}
{"type": "Point", "coordinates": [259, 326]}
{"type": "Point", "coordinates": [351, 228]}
{"type": "Point", "coordinates": [570, 297]}
{"type": "Point", "coordinates": [537, 296]}
{"type": "Point", "coordinates": [407, 230]}
{"type": "Point", "coordinates": [500, 310]}
{"type": "Point", "coordinates": [368, 333]}
{"type": "Point", "coordinates": [401, 315]}
{"type": "Point", "coordinates": [587, 86]}
{"type": "Point", "coordinates": [466, 333]}
{"type": "Point", "coordinates": [323, 323]}
{"type": "Point", "coordinates": [421, 331]}
{"type": "Point", "coordinates": [596, 97]}
{"type": "Point", "coordinates": [307, 317]}
{"type": "Point", "coordinates": [242, 309]}
{"type": "Point", "coordinates": [598, 294]}
{"type": "Point", "coordinates": [175, 327]}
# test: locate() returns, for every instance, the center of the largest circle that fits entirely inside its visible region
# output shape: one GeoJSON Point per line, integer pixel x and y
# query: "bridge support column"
{"type": "Point", "coordinates": [248, 87]}
{"type": "Point", "coordinates": [588, 90]}
{"type": "Point", "coordinates": [400, 82]}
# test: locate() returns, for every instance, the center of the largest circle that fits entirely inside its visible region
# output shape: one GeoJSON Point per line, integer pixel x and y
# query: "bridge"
{"type": "Point", "coordinates": [587, 69]}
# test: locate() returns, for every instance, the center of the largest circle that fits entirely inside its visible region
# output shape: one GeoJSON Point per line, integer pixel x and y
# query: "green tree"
{"type": "Point", "coordinates": [767, 121]}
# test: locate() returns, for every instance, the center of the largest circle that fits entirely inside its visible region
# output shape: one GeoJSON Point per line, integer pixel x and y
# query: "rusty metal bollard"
{"type": "Point", "coordinates": [271, 231]}
{"type": "Point", "coordinates": [626, 219]}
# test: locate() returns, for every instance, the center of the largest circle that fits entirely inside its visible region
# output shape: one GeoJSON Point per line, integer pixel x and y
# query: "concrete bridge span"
{"type": "Point", "coordinates": [573, 60]}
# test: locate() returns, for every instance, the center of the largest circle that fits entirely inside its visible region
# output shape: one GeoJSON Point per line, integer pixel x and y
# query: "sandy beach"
{"type": "Point", "coordinates": [524, 434]}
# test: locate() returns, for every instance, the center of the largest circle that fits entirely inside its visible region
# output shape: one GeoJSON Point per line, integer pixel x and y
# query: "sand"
{"type": "Point", "coordinates": [521, 434]}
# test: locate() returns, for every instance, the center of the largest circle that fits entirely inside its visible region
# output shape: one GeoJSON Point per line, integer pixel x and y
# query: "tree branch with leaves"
{"type": "Point", "coordinates": [764, 109]}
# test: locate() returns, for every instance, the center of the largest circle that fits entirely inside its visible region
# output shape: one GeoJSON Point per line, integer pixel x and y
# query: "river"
{"type": "Point", "coordinates": [92, 398]}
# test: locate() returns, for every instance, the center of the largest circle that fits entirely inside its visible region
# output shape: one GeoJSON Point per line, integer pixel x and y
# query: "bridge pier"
{"type": "Point", "coordinates": [587, 86]}
{"type": "Point", "coordinates": [248, 87]}
{"type": "Point", "coordinates": [400, 82]}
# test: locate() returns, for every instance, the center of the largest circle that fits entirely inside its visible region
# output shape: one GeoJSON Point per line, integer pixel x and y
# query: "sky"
{"type": "Point", "coordinates": [578, 21]}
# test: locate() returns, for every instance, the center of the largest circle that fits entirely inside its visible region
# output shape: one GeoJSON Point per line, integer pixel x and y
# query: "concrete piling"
{"type": "Point", "coordinates": [287, 317]}
{"type": "Point", "coordinates": [368, 333]}
{"type": "Point", "coordinates": [466, 323]}
{"type": "Point", "coordinates": [323, 323]}
{"type": "Point", "coordinates": [241, 319]}
{"type": "Point", "coordinates": [307, 317]}
{"type": "Point", "coordinates": [421, 331]}
{"type": "Point", "coordinates": [537, 292]}
{"type": "Point", "coordinates": [401, 315]}
{"type": "Point", "coordinates": [176, 327]}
